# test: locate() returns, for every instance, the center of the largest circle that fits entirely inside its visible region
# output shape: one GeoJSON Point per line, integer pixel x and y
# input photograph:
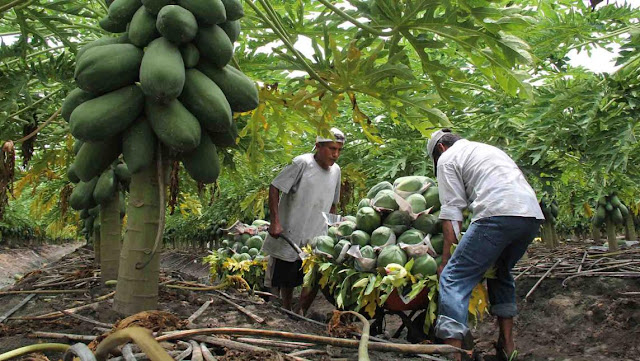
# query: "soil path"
{"type": "Point", "coordinates": [15, 262]}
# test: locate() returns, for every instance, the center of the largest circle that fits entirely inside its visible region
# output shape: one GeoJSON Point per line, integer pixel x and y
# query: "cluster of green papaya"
{"type": "Point", "coordinates": [549, 210]}
{"type": "Point", "coordinates": [166, 78]}
{"type": "Point", "coordinates": [610, 207]}
{"type": "Point", "coordinates": [383, 229]}
{"type": "Point", "coordinates": [215, 231]}
{"type": "Point", "coordinates": [246, 245]}
{"type": "Point", "coordinates": [88, 196]}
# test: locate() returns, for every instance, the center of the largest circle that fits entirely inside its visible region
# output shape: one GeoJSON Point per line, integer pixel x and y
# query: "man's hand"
{"type": "Point", "coordinates": [449, 239]}
{"type": "Point", "coordinates": [275, 229]}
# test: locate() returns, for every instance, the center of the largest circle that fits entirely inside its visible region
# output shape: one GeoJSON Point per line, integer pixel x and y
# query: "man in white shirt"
{"type": "Point", "coordinates": [310, 185]}
{"type": "Point", "coordinates": [506, 218]}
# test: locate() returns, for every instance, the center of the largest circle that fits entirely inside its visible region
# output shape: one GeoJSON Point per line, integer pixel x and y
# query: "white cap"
{"type": "Point", "coordinates": [338, 136]}
{"type": "Point", "coordinates": [435, 137]}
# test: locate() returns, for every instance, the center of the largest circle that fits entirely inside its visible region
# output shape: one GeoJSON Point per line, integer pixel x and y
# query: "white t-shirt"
{"type": "Point", "coordinates": [484, 179]}
{"type": "Point", "coordinates": [307, 191]}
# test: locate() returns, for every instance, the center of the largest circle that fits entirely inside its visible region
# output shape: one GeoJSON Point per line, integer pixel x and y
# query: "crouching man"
{"type": "Point", "coordinates": [506, 218]}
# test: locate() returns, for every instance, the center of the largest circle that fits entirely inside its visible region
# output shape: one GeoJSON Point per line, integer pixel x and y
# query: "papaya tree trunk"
{"type": "Point", "coordinates": [547, 234]}
{"type": "Point", "coordinates": [110, 239]}
{"type": "Point", "coordinates": [138, 275]}
{"type": "Point", "coordinates": [630, 228]}
{"type": "Point", "coordinates": [611, 235]}
{"type": "Point", "coordinates": [595, 232]}
{"type": "Point", "coordinates": [96, 248]}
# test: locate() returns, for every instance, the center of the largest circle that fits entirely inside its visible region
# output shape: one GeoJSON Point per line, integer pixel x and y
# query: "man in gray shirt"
{"type": "Point", "coordinates": [310, 185]}
{"type": "Point", "coordinates": [506, 218]}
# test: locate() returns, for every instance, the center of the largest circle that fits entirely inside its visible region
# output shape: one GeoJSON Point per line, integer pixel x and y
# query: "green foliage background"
{"type": "Point", "coordinates": [387, 72]}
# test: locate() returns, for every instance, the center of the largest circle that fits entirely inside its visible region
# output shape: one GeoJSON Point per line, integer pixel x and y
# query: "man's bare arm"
{"type": "Point", "coordinates": [275, 229]}
{"type": "Point", "coordinates": [449, 239]}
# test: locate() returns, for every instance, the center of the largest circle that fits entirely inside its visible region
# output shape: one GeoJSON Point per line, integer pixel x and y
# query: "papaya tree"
{"type": "Point", "coordinates": [180, 101]}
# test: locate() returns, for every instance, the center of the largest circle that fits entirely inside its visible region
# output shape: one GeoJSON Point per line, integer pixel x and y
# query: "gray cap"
{"type": "Point", "coordinates": [435, 137]}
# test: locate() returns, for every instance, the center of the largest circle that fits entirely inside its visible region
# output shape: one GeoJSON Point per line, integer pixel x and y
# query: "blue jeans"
{"type": "Point", "coordinates": [499, 241]}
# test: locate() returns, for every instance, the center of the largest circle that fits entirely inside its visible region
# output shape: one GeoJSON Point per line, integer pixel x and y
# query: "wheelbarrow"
{"type": "Point", "coordinates": [397, 305]}
{"type": "Point", "coordinates": [412, 314]}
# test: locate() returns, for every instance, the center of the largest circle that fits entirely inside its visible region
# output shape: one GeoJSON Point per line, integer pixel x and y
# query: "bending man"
{"type": "Point", "coordinates": [506, 218]}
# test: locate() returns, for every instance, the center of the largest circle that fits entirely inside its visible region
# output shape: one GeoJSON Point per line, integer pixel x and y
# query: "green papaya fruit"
{"type": "Point", "coordinates": [207, 12]}
{"type": "Point", "coordinates": [138, 145]}
{"type": "Point", "coordinates": [616, 216]}
{"type": "Point", "coordinates": [75, 97]}
{"type": "Point", "coordinates": [233, 9]}
{"type": "Point", "coordinates": [240, 91]}
{"type": "Point", "coordinates": [176, 24]}
{"type": "Point", "coordinates": [190, 55]}
{"type": "Point", "coordinates": [94, 157]}
{"type": "Point", "coordinates": [162, 71]}
{"type": "Point", "coordinates": [202, 163]}
{"type": "Point", "coordinates": [105, 40]}
{"type": "Point", "coordinates": [112, 25]}
{"type": "Point", "coordinates": [76, 146]}
{"type": "Point", "coordinates": [109, 67]}
{"type": "Point", "coordinates": [226, 139]}
{"type": "Point", "coordinates": [377, 188]}
{"type": "Point", "coordinates": [122, 173]}
{"type": "Point", "coordinates": [71, 174]}
{"type": "Point", "coordinates": [123, 10]}
{"type": "Point", "coordinates": [214, 45]}
{"type": "Point", "coordinates": [600, 215]}
{"type": "Point", "coordinates": [232, 29]}
{"type": "Point", "coordinates": [82, 195]}
{"type": "Point", "coordinates": [615, 201]}
{"type": "Point", "coordinates": [624, 210]}
{"type": "Point", "coordinates": [142, 29]}
{"type": "Point", "coordinates": [174, 125]}
{"type": "Point", "coordinates": [105, 187]}
{"type": "Point", "coordinates": [206, 102]}
{"type": "Point", "coordinates": [107, 115]}
{"type": "Point", "coordinates": [154, 6]}
{"type": "Point", "coordinates": [554, 209]}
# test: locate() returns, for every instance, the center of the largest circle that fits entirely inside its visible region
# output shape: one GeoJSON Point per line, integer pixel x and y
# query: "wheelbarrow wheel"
{"type": "Point", "coordinates": [377, 326]}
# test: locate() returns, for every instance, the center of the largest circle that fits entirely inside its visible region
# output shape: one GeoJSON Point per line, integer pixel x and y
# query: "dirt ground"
{"type": "Point", "coordinates": [590, 319]}
{"type": "Point", "coordinates": [15, 262]}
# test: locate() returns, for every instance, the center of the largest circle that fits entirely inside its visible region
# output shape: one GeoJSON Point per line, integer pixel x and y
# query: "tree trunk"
{"type": "Point", "coordinates": [96, 248]}
{"type": "Point", "coordinates": [595, 233]}
{"type": "Point", "coordinates": [137, 287]}
{"type": "Point", "coordinates": [630, 228]}
{"type": "Point", "coordinates": [556, 238]}
{"type": "Point", "coordinates": [110, 239]}
{"type": "Point", "coordinates": [611, 235]}
{"type": "Point", "coordinates": [547, 234]}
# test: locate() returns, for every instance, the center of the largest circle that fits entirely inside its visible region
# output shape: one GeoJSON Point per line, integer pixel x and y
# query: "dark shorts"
{"type": "Point", "coordinates": [287, 274]}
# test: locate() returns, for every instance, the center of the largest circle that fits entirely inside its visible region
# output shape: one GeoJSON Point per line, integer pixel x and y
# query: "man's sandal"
{"type": "Point", "coordinates": [501, 354]}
